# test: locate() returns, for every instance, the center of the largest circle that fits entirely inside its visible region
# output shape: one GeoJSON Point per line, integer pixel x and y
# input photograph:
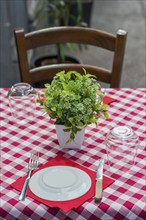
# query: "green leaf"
{"type": "Point", "coordinates": [67, 129]}
{"type": "Point", "coordinates": [53, 108]}
{"type": "Point", "coordinates": [47, 85]}
{"type": "Point", "coordinates": [106, 115]}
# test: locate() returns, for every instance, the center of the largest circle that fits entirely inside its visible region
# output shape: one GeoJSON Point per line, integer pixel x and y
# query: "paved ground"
{"type": "Point", "coordinates": [111, 15]}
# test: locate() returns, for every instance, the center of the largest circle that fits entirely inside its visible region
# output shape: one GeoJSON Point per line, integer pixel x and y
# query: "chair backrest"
{"type": "Point", "coordinates": [80, 35]}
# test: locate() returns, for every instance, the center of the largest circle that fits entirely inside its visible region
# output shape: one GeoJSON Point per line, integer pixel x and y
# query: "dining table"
{"type": "Point", "coordinates": [123, 199]}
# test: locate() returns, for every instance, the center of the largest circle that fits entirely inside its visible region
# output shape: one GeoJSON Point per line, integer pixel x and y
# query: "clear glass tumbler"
{"type": "Point", "coordinates": [121, 146]}
{"type": "Point", "coordinates": [22, 98]}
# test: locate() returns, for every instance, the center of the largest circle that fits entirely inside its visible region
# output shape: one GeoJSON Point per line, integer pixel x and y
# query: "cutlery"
{"type": "Point", "coordinates": [32, 165]}
{"type": "Point", "coordinates": [99, 178]}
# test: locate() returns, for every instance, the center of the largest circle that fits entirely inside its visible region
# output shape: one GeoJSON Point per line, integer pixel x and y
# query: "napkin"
{"type": "Point", "coordinates": [108, 100]}
{"type": "Point", "coordinates": [65, 206]}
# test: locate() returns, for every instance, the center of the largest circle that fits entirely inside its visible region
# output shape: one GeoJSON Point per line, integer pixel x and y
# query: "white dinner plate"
{"type": "Point", "coordinates": [60, 183]}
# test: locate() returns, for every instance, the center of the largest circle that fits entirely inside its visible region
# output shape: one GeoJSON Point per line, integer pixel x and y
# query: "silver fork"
{"type": "Point", "coordinates": [32, 165]}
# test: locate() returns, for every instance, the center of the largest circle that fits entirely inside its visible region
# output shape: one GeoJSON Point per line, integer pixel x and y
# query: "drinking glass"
{"type": "Point", "coordinates": [22, 98]}
{"type": "Point", "coordinates": [121, 145]}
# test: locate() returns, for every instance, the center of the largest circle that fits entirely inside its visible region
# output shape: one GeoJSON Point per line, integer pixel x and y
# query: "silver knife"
{"type": "Point", "coordinates": [99, 178]}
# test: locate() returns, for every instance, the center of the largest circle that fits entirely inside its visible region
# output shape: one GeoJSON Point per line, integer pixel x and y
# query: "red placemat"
{"type": "Point", "coordinates": [108, 100]}
{"type": "Point", "coordinates": [65, 206]}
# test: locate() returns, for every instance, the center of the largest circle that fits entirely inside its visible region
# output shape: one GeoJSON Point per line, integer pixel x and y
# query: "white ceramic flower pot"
{"type": "Point", "coordinates": [64, 136]}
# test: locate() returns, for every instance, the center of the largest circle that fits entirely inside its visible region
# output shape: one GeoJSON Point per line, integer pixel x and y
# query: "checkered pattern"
{"type": "Point", "coordinates": [124, 199]}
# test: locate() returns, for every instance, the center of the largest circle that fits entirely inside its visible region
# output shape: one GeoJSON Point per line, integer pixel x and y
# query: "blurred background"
{"type": "Point", "coordinates": [106, 15]}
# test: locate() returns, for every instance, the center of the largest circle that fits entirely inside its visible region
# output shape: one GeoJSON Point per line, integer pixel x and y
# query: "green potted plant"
{"type": "Point", "coordinates": [74, 100]}
{"type": "Point", "coordinates": [63, 13]}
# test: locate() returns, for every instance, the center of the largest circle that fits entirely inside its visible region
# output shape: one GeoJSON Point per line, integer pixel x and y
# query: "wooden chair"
{"type": "Point", "coordinates": [79, 35]}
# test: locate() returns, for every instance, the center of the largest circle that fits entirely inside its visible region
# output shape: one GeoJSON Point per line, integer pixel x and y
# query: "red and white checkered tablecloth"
{"type": "Point", "coordinates": [125, 199]}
